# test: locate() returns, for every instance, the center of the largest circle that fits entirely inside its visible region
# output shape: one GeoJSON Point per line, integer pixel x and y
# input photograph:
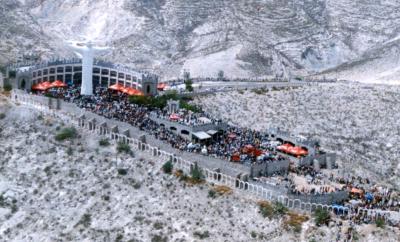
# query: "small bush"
{"type": "Point", "coordinates": [2, 115]}
{"type": "Point", "coordinates": [86, 220]}
{"type": "Point", "coordinates": [123, 148]}
{"type": "Point", "coordinates": [158, 225]}
{"type": "Point", "coordinates": [253, 234]}
{"type": "Point", "coordinates": [280, 209]}
{"type": "Point", "coordinates": [104, 142]}
{"type": "Point", "coordinates": [322, 217]}
{"type": "Point", "coordinates": [122, 172]}
{"type": "Point", "coordinates": [168, 167]}
{"type": "Point", "coordinates": [158, 238]}
{"type": "Point", "coordinates": [7, 87]}
{"type": "Point", "coordinates": [212, 194]}
{"type": "Point", "coordinates": [272, 210]}
{"type": "Point", "coordinates": [294, 221]}
{"type": "Point", "coordinates": [66, 133]}
{"type": "Point", "coordinates": [137, 185]}
{"type": "Point", "coordinates": [380, 223]}
{"type": "Point", "coordinates": [202, 235]}
{"type": "Point", "coordinates": [196, 173]}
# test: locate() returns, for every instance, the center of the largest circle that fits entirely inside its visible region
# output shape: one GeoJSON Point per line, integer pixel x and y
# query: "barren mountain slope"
{"type": "Point", "coordinates": [245, 38]}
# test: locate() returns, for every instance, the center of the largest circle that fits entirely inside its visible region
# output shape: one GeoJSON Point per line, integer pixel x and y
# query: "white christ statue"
{"type": "Point", "coordinates": [86, 51]}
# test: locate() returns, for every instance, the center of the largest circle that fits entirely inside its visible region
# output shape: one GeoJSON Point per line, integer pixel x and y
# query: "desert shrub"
{"type": "Point", "coordinates": [86, 220]}
{"type": "Point", "coordinates": [122, 171]}
{"type": "Point", "coordinates": [168, 167]}
{"type": "Point", "coordinates": [158, 225]}
{"type": "Point", "coordinates": [280, 209]}
{"type": "Point", "coordinates": [266, 209]}
{"type": "Point", "coordinates": [196, 173]}
{"type": "Point", "coordinates": [269, 210]}
{"type": "Point", "coordinates": [104, 142]}
{"type": "Point", "coordinates": [137, 185]}
{"type": "Point", "coordinates": [253, 234]}
{"type": "Point", "coordinates": [66, 133]}
{"type": "Point", "coordinates": [119, 238]}
{"type": "Point", "coordinates": [123, 148]}
{"type": "Point", "coordinates": [201, 235]}
{"type": "Point", "coordinates": [294, 221]}
{"type": "Point", "coordinates": [380, 223]}
{"type": "Point", "coordinates": [7, 87]}
{"type": "Point", "coordinates": [322, 217]}
{"type": "Point", "coordinates": [260, 91]}
{"type": "Point", "coordinates": [212, 193]}
{"type": "Point", "coordinates": [159, 238]}
{"type": "Point", "coordinates": [2, 115]}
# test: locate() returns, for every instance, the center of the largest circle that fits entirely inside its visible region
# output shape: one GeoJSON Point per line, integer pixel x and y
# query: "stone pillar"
{"type": "Point", "coordinates": [155, 151]}
{"type": "Point", "coordinates": [142, 138]}
{"type": "Point", "coordinates": [316, 165]}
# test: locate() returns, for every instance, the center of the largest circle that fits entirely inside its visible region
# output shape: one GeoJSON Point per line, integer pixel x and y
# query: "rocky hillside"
{"type": "Point", "coordinates": [254, 38]}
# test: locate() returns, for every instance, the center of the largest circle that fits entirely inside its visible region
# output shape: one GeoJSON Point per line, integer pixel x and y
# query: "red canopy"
{"type": "Point", "coordinates": [235, 157]}
{"type": "Point", "coordinates": [284, 147]}
{"type": "Point", "coordinates": [43, 86]}
{"type": "Point", "coordinates": [58, 84]}
{"type": "Point", "coordinates": [297, 151]}
{"type": "Point", "coordinates": [116, 87]}
{"type": "Point", "coordinates": [132, 91]}
{"type": "Point", "coordinates": [161, 86]}
{"type": "Point", "coordinates": [174, 116]}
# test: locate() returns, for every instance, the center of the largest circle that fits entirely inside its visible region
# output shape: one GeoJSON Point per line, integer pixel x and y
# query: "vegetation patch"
{"type": "Point", "coordinates": [221, 190]}
{"type": "Point", "coordinates": [123, 148]}
{"type": "Point", "coordinates": [104, 142]}
{"type": "Point", "coordinates": [2, 115]}
{"type": "Point", "coordinates": [168, 167]}
{"type": "Point", "coordinates": [272, 210]}
{"type": "Point", "coordinates": [380, 223]}
{"type": "Point", "coordinates": [161, 101]}
{"type": "Point", "coordinates": [260, 91]}
{"type": "Point", "coordinates": [202, 235]}
{"type": "Point", "coordinates": [7, 87]}
{"type": "Point", "coordinates": [322, 217]}
{"type": "Point", "coordinates": [294, 221]}
{"type": "Point", "coordinates": [122, 171]}
{"type": "Point", "coordinates": [66, 133]}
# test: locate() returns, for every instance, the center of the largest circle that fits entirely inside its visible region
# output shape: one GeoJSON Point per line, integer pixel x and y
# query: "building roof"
{"type": "Point", "coordinates": [201, 135]}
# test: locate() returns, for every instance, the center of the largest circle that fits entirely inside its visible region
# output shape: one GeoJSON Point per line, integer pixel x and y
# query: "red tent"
{"type": "Point", "coordinates": [297, 151]}
{"type": "Point", "coordinates": [43, 86]}
{"type": "Point", "coordinates": [174, 117]}
{"type": "Point", "coordinates": [46, 84]}
{"type": "Point", "coordinates": [235, 157]}
{"type": "Point", "coordinates": [284, 147]}
{"type": "Point", "coordinates": [132, 91]}
{"type": "Point", "coordinates": [116, 87]}
{"type": "Point", "coordinates": [58, 84]}
{"type": "Point", "coordinates": [247, 149]}
{"type": "Point", "coordinates": [161, 86]}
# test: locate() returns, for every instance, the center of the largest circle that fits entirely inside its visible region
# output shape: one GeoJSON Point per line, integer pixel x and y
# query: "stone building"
{"type": "Point", "coordinates": [69, 71]}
